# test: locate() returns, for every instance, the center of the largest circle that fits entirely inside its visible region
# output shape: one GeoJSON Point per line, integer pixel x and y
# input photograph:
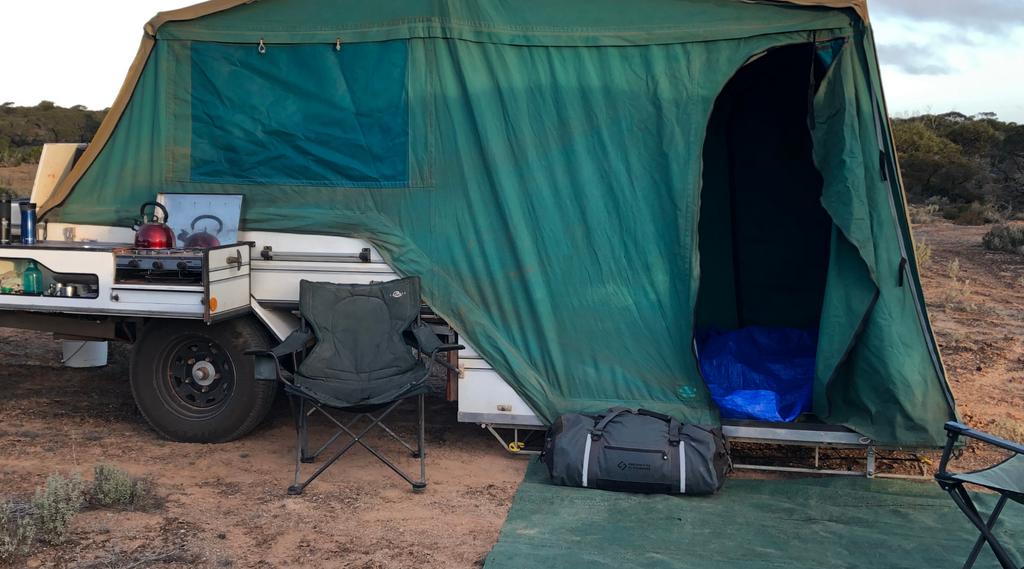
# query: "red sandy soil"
{"type": "Point", "coordinates": [225, 505]}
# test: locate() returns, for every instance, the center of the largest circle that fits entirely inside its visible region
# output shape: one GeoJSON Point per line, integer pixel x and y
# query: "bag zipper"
{"type": "Point", "coordinates": [664, 455]}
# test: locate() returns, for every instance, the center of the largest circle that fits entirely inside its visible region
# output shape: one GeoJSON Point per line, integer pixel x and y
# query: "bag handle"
{"type": "Point", "coordinates": [606, 418]}
{"type": "Point", "coordinates": [655, 414]}
{"type": "Point", "coordinates": [674, 426]}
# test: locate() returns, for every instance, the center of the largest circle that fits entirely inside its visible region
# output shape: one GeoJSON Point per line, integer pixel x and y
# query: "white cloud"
{"type": "Point", "coordinates": [71, 51]}
{"type": "Point", "coordinates": [939, 54]}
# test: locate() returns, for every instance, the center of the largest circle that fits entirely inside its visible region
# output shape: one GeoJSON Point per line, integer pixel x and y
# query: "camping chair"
{"type": "Point", "coordinates": [1006, 478]}
{"type": "Point", "coordinates": [361, 363]}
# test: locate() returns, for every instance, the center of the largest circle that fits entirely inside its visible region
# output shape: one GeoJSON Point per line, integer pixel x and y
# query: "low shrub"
{"type": "Point", "coordinates": [11, 159]}
{"type": "Point", "coordinates": [17, 531]}
{"type": "Point", "coordinates": [56, 506]}
{"type": "Point", "coordinates": [920, 215]}
{"type": "Point", "coordinates": [1009, 239]}
{"type": "Point", "coordinates": [113, 487]}
{"type": "Point", "coordinates": [994, 215]}
{"type": "Point", "coordinates": [970, 217]}
{"type": "Point", "coordinates": [33, 154]}
{"type": "Point", "coordinates": [951, 213]}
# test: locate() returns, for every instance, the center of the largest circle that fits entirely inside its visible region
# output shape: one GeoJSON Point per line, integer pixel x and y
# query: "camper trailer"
{"type": "Point", "coordinates": [610, 203]}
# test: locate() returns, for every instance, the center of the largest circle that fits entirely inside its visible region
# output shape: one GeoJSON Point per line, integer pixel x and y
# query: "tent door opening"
{"type": "Point", "coordinates": [764, 241]}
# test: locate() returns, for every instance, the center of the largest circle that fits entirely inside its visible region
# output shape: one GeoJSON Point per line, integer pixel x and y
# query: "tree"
{"type": "Point", "coordinates": [973, 137]}
{"type": "Point", "coordinates": [1009, 162]}
{"type": "Point", "coordinates": [913, 137]}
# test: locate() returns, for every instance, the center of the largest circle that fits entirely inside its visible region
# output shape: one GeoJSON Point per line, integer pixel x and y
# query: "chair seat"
{"type": "Point", "coordinates": [356, 394]}
{"type": "Point", "coordinates": [1007, 478]}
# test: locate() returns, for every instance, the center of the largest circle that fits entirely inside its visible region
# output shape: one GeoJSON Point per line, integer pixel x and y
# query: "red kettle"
{"type": "Point", "coordinates": [153, 234]}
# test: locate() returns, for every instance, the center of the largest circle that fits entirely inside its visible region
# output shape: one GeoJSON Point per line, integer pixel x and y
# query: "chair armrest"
{"type": "Point", "coordinates": [965, 431]}
{"type": "Point", "coordinates": [450, 347]}
{"type": "Point", "coordinates": [293, 343]}
{"type": "Point", "coordinates": [259, 353]}
{"type": "Point", "coordinates": [265, 365]}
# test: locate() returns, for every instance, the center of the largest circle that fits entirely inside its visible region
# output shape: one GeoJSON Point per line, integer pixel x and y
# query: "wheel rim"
{"type": "Point", "coordinates": [196, 377]}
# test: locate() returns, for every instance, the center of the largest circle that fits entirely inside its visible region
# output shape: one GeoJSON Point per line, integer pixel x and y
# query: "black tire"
{"type": "Point", "coordinates": [192, 383]}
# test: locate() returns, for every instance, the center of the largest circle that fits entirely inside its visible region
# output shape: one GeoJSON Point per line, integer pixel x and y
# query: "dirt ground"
{"type": "Point", "coordinates": [225, 505]}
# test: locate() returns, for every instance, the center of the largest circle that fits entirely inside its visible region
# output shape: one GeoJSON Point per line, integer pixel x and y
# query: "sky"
{"type": "Point", "coordinates": [937, 55]}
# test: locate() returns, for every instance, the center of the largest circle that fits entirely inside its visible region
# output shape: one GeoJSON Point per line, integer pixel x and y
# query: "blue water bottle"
{"type": "Point", "coordinates": [28, 224]}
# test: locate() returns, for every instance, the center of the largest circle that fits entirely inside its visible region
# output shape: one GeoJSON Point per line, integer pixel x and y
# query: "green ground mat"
{"type": "Point", "coordinates": [840, 522]}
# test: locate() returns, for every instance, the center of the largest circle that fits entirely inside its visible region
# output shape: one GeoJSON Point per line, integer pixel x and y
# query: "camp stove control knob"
{"type": "Point", "coordinates": [158, 264]}
{"type": "Point", "coordinates": [134, 263]}
{"type": "Point", "coordinates": [182, 265]}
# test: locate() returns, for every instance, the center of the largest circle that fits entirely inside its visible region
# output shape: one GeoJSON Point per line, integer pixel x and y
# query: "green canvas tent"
{"type": "Point", "coordinates": [578, 184]}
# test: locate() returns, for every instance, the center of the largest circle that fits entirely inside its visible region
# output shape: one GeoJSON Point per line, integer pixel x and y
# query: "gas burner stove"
{"type": "Point", "coordinates": [159, 259]}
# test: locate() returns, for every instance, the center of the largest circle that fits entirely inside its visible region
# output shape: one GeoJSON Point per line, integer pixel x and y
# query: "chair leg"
{"type": "Point", "coordinates": [422, 452]}
{"type": "Point", "coordinates": [978, 545]}
{"type": "Point", "coordinates": [298, 488]}
{"type": "Point", "coordinates": [298, 416]}
{"type": "Point", "coordinates": [302, 429]}
{"type": "Point", "coordinates": [963, 500]}
{"type": "Point", "coordinates": [304, 435]}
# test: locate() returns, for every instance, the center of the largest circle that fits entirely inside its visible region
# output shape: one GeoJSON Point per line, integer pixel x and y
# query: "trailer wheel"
{"type": "Point", "coordinates": [192, 383]}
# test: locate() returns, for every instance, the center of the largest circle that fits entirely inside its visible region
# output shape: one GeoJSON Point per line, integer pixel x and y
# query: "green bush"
{"type": "Point", "coordinates": [1005, 238]}
{"type": "Point", "coordinates": [17, 531]}
{"type": "Point", "coordinates": [10, 159]}
{"type": "Point", "coordinates": [971, 216]}
{"type": "Point", "coordinates": [954, 212]}
{"type": "Point", "coordinates": [33, 154]}
{"type": "Point", "coordinates": [113, 487]}
{"type": "Point", "coordinates": [56, 506]}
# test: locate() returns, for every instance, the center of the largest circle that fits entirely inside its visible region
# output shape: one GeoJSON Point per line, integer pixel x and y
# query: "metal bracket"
{"type": "Point", "coordinates": [514, 447]}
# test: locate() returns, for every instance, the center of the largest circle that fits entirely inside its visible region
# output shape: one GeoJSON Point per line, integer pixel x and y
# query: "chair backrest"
{"type": "Point", "coordinates": [360, 353]}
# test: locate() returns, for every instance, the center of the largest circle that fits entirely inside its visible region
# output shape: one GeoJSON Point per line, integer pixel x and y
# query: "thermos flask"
{"type": "Point", "coordinates": [5, 220]}
{"type": "Point", "coordinates": [28, 224]}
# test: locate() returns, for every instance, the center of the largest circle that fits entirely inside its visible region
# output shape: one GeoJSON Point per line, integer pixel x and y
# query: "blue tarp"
{"type": "Point", "coordinates": [759, 372]}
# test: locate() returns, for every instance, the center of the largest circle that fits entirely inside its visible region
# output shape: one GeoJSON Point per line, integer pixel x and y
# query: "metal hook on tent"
{"type": "Point", "coordinates": [337, 45]}
{"type": "Point", "coordinates": [262, 48]}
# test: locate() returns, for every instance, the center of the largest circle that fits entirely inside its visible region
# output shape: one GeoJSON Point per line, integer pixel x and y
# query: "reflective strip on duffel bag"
{"type": "Point", "coordinates": [586, 460]}
{"type": "Point", "coordinates": [682, 468]}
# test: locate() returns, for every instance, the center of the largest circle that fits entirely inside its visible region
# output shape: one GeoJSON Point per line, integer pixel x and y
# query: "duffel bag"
{"type": "Point", "coordinates": [640, 451]}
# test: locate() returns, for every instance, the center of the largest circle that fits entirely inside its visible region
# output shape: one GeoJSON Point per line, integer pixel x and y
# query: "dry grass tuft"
{"type": "Point", "coordinates": [1012, 431]}
{"type": "Point", "coordinates": [17, 531]}
{"type": "Point", "coordinates": [953, 269]}
{"type": "Point", "coordinates": [958, 297]}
